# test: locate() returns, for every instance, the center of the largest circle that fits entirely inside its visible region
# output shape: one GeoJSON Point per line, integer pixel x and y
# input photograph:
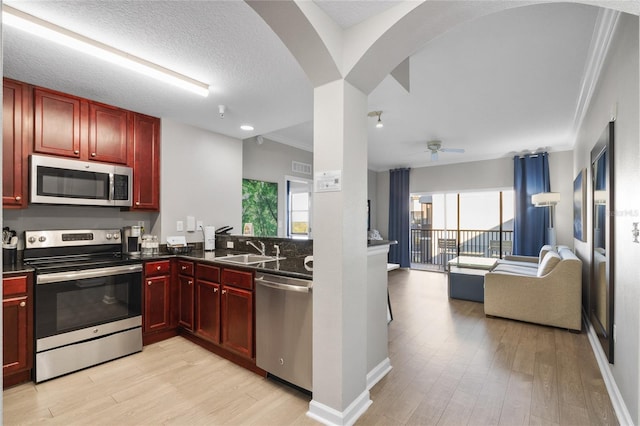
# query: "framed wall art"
{"type": "Point", "coordinates": [579, 210]}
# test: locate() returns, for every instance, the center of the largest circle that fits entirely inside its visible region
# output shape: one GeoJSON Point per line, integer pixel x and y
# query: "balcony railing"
{"type": "Point", "coordinates": [437, 246]}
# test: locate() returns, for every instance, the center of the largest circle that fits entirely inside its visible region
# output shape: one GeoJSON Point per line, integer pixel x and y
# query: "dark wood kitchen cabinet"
{"type": "Point", "coordinates": [237, 312]}
{"type": "Point", "coordinates": [157, 315]}
{"type": "Point", "coordinates": [17, 326]}
{"type": "Point", "coordinates": [157, 296]}
{"type": "Point", "coordinates": [16, 119]}
{"type": "Point", "coordinates": [57, 119]}
{"type": "Point", "coordinates": [186, 294]}
{"type": "Point", "coordinates": [79, 128]}
{"type": "Point", "coordinates": [145, 132]}
{"type": "Point", "coordinates": [208, 302]}
{"type": "Point", "coordinates": [108, 133]}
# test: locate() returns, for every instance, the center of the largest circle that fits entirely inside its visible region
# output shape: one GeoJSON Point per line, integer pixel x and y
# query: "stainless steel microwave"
{"type": "Point", "coordinates": [55, 180]}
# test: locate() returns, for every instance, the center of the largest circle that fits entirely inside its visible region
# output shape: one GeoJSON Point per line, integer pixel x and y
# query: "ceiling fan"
{"type": "Point", "coordinates": [435, 147]}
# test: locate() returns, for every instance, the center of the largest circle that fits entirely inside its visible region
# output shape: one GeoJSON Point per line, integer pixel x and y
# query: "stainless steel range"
{"type": "Point", "coordinates": [88, 299]}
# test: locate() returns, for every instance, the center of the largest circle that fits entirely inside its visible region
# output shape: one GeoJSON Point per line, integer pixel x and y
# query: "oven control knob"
{"type": "Point", "coordinates": [32, 239]}
{"type": "Point", "coordinates": [116, 236]}
{"type": "Point", "coordinates": [108, 236]}
{"type": "Point", "coordinates": [42, 239]}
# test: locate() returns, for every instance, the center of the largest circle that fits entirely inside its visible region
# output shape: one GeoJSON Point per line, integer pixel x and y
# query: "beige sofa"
{"type": "Point", "coordinates": [546, 291]}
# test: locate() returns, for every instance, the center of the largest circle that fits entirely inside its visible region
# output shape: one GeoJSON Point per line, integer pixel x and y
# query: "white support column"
{"type": "Point", "coordinates": [340, 392]}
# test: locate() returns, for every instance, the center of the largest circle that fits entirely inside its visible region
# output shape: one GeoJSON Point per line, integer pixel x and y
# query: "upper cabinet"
{"type": "Point", "coordinates": [57, 123]}
{"type": "Point", "coordinates": [15, 131]}
{"type": "Point", "coordinates": [108, 129]}
{"type": "Point", "coordinates": [146, 162]}
{"type": "Point", "coordinates": [78, 128]}
{"type": "Point", "coordinates": [43, 121]}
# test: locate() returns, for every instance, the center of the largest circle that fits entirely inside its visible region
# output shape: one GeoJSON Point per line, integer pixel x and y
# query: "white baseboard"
{"type": "Point", "coordinates": [329, 416]}
{"type": "Point", "coordinates": [620, 408]}
{"type": "Point", "coordinates": [378, 372]}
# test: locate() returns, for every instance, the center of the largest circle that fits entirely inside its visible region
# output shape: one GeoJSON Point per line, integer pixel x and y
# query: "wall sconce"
{"type": "Point", "coordinates": [548, 199]}
{"type": "Point", "coordinates": [378, 114]}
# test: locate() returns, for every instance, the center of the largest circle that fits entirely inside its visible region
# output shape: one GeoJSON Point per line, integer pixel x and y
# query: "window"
{"type": "Point", "coordinates": [298, 208]}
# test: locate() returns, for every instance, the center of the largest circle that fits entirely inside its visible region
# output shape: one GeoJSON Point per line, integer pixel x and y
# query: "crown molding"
{"type": "Point", "coordinates": [603, 32]}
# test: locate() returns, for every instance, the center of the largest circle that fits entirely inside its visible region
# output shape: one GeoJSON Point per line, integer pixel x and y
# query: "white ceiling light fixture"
{"type": "Point", "coordinates": [41, 28]}
{"type": "Point", "coordinates": [246, 127]}
{"type": "Point", "coordinates": [378, 114]}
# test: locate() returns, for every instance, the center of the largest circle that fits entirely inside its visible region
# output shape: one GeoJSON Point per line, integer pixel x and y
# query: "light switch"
{"type": "Point", "coordinates": [179, 225]}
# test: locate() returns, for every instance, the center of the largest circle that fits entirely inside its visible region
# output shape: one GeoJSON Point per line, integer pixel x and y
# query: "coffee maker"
{"type": "Point", "coordinates": [131, 240]}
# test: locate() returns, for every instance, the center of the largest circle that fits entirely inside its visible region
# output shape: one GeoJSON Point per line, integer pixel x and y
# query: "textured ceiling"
{"type": "Point", "coordinates": [504, 83]}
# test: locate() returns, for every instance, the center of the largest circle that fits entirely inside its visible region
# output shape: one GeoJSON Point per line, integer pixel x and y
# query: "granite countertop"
{"type": "Point", "coordinates": [288, 266]}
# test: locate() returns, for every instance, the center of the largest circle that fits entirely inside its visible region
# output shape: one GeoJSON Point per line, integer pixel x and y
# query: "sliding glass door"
{"type": "Point", "coordinates": [447, 225]}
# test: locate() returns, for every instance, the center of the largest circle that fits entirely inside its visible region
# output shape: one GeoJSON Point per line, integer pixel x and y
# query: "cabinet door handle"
{"type": "Point", "coordinates": [190, 282]}
{"type": "Point", "coordinates": [23, 304]}
{"type": "Point", "coordinates": [159, 267]}
{"type": "Point", "coordinates": [215, 290]}
{"type": "Point", "coordinates": [137, 203]}
{"type": "Point", "coordinates": [93, 154]}
{"type": "Point", "coordinates": [184, 267]}
{"type": "Point", "coordinates": [224, 291]}
{"type": "Point", "coordinates": [76, 152]}
{"type": "Point", "coordinates": [18, 198]}
{"type": "Point", "coordinates": [148, 282]}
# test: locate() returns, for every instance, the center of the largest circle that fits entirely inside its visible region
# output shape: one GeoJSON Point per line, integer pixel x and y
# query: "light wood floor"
{"type": "Point", "coordinates": [451, 365]}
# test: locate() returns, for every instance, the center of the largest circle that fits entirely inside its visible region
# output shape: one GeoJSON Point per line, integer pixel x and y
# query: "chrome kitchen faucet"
{"type": "Point", "coordinates": [260, 250]}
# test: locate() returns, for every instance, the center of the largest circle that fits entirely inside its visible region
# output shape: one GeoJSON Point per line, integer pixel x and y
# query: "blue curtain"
{"type": "Point", "coordinates": [531, 176]}
{"type": "Point", "coordinates": [399, 203]}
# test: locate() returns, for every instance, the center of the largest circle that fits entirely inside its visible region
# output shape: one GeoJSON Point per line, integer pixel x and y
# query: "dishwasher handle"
{"type": "Point", "coordinates": [273, 283]}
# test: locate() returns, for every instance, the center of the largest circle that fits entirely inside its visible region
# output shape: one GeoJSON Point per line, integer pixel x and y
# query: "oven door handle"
{"type": "Point", "coordinates": [57, 277]}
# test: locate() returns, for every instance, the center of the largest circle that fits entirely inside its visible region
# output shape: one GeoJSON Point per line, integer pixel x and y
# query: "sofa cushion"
{"type": "Point", "coordinates": [544, 250]}
{"type": "Point", "coordinates": [515, 269]}
{"type": "Point", "coordinates": [551, 259]}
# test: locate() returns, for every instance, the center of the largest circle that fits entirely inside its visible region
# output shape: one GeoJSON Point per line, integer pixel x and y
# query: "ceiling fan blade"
{"type": "Point", "coordinates": [434, 156]}
{"type": "Point", "coordinates": [460, 150]}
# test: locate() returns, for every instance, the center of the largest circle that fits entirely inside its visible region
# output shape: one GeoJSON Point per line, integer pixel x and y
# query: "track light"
{"type": "Point", "coordinates": [378, 114]}
{"type": "Point", "coordinates": [41, 28]}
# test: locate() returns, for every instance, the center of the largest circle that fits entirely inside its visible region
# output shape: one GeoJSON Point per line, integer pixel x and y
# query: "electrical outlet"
{"type": "Point", "coordinates": [199, 225]}
{"type": "Point", "coordinates": [229, 244]}
{"type": "Point", "coordinates": [180, 226]}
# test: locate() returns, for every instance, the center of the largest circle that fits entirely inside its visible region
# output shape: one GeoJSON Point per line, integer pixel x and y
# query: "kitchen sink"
{"type": "Point", "coordinates": [247, 259]}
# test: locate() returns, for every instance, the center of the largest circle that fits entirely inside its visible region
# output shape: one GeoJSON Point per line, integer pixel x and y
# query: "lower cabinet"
{"type": "Point", "coordinates": [157, 313]}
{"type": "Point", "coordinates": [205, 302]}
{"type": "Point", "coordinates": [207, 305]}
{"type": "Point", "coordinates": [224, 308]}
{"type": "Point", "coordinates": [186, 294]}
{"type": "Point", "coordinates": [17, 326]}
{"type": "Point", "coordinates": [237, 320]}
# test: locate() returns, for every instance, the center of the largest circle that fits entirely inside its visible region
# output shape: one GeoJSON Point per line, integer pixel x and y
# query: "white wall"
{"type": "Point", "coordinates": [618, 85]}
{"type": "Point", "coordinates": [271, 162]}
{"type": "Point", "coordinates": [483, 175]}
{"type": "Point", "coordinates": [201, 176]}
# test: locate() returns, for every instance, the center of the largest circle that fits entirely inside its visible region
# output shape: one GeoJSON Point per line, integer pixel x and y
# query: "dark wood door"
{"type": "Point", "coordinates": [185, 302]}
{"type": "Point", "coordinates": [57, 123]}
{"type": "Point", "coordinates": [237, 320]}
{"type": "Point", "coordinates": [208, 310]}
{"type": "Point", "coordinates": [16, 336]}
{"type": "Point", "coordinates": [14, 158]}
{"type": "Point", "coordinates": [146, 162]}
{"type": "Point", "coordinates": [157, 309]}
{"type": "Point", "coordinates": [108, 131]}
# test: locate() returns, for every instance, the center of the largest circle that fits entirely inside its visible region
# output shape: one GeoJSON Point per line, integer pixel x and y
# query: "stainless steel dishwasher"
{"type": "Point", "coordinates": [284, 313]}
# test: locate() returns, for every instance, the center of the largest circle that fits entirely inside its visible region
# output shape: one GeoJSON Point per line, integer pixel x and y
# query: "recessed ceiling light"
{"type": "Point", "coordinates": [246, 127]}
{"type": "Point", "coordinates": [47, 30]}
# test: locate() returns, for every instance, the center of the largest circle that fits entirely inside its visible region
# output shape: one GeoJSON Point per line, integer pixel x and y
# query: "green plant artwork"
{"type": "Point", "coordinates": [260, 207]}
